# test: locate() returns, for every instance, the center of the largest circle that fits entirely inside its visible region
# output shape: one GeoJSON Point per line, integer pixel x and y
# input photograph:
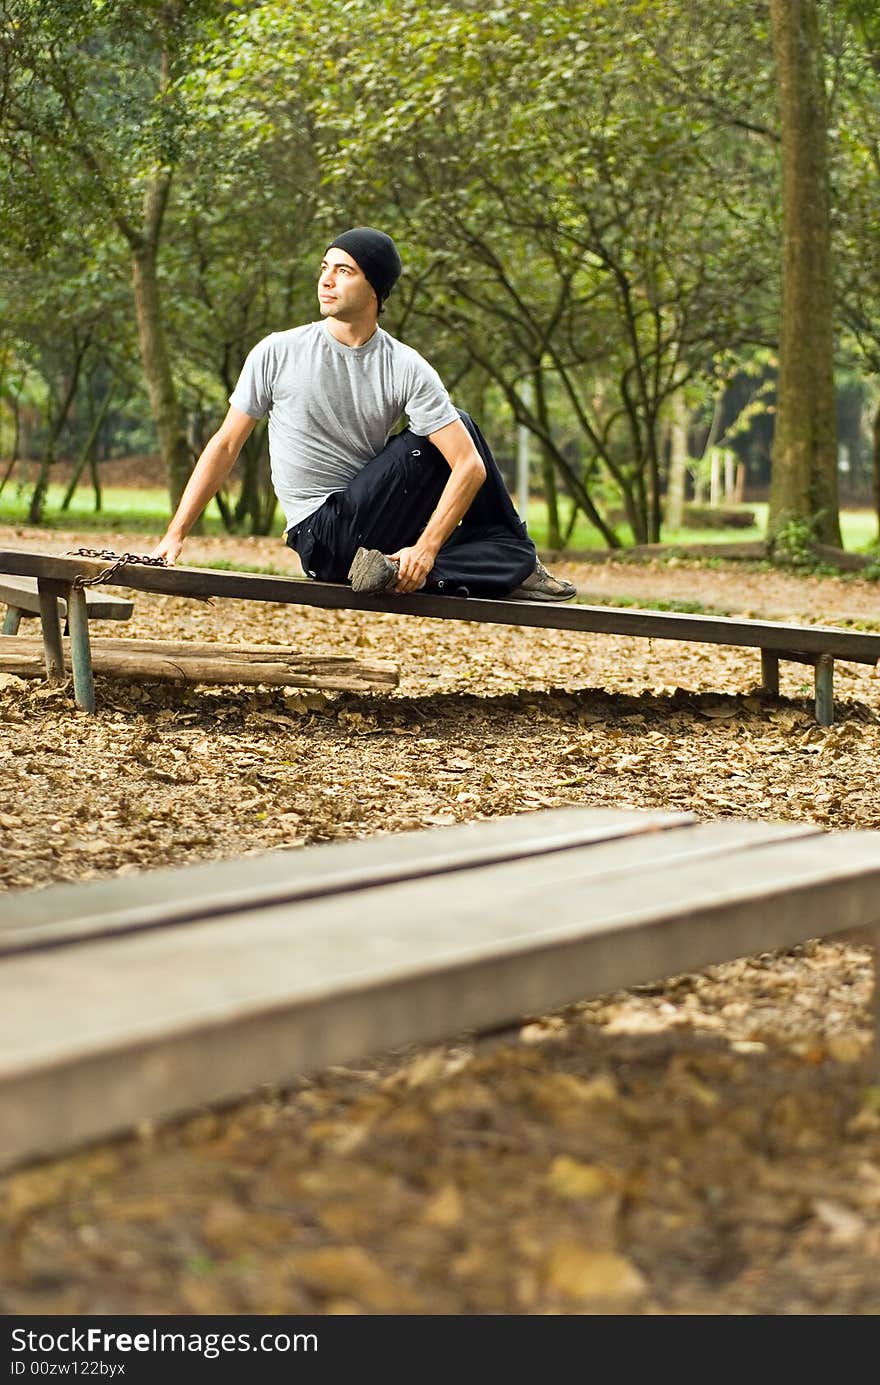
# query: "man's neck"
{"type": "Point", "coordinates": [356, 333]}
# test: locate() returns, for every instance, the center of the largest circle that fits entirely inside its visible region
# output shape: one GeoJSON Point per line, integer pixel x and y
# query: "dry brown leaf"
{"type": "Point", "coordinates": [349, 1271]}
{"type": "Point", "coordinates": [446, 1207]}
{"type": "Point", "coordinates": [571, 1179]}
{"type": "Point", "coordinates": [577, 1273]}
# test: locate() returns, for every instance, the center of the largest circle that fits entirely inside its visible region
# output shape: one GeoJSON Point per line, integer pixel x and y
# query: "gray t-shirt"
{"type": "Point", "coordinates": [331, 407]}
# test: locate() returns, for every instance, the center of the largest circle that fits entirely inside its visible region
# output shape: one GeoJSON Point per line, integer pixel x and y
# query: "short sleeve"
{"type": "Point", "coordinates": [253, 392]}
{"type": "Point", "coordinates": [428, 406]}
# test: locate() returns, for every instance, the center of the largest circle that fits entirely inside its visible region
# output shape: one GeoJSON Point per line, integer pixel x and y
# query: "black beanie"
{"type": "Point", "coordinates": [376, 255]}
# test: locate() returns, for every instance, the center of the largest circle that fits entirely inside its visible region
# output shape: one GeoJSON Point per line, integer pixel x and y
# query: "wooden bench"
{"type": "Point", "coordinates": [22, 598]}
{"type": "Point", "coordinates": [136, 999]}
{"type": "Point", "coordinates": [815, 645]}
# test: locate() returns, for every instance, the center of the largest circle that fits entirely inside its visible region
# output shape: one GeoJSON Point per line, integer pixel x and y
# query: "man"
{"type": "Point", "coordinates": [427, 508]}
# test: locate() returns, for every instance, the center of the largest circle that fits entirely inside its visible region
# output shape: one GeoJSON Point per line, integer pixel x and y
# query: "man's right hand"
{"type": "Point", "coordinates": [210, 471]}
{"type": "Point", "coordinates": [169, 549]}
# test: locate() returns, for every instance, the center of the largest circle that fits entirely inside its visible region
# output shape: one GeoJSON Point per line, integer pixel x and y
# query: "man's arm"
{"type": "Point", "coordinates": [467, 474]}
{"type": "Point", "coordinates": [209, 473]}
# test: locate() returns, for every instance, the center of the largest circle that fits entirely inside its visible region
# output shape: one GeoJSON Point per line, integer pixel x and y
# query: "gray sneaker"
{"type": "Point", "coordinates": [371, 571]}
{"type": "Point", "coordinates": [541, 585]}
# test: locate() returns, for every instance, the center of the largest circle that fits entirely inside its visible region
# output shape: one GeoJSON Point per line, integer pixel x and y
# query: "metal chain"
{"type": "Point", "coordinates": [117, 560]}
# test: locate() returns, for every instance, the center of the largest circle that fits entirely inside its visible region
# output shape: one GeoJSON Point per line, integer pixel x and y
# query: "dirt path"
{"type": "Point", "coordinates": [708, 1145]}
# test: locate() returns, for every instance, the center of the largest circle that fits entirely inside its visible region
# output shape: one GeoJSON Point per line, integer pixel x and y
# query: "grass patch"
{"type": "Point", "coordinates": [858, 528]}
{"type": "Point", "coordinates": [587, 539]}
{"type": "Point", "coordinates": [134, 511]}
{"type": "Point", "coordinates": [684, 608]}
{"type": "Point", "coordinates": [869, 627]}
{"type": "Point", "coordinates": [263, 569]}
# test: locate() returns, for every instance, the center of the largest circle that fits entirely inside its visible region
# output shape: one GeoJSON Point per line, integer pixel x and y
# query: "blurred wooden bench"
{"type": "Point", "coordinates": [22, 598]}
{"type": "Point", "coordinates": [129, 1000]}
{"type": "Point", "coordinates": [815, 645]}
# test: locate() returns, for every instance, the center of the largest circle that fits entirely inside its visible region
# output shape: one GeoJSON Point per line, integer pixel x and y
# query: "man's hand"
{"type": "Point", "coordinates": [415, 565]}
{"type": "Point", "coordinates": [467, 473]}
{"type": "Point", "coordinates": [169, 549]}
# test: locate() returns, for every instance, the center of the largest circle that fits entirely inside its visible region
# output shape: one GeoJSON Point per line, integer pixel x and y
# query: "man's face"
{"type": "Point", "coordinates": [343, 289]}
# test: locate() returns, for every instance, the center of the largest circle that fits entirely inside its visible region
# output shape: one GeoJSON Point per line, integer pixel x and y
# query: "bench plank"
{"type": "Point", "coordinates": [159, 1021]}
{"type": "Point", "coordinates": [855, 645]}
{"type": "Point", "coordinates": [22, 595]}
{"type": "Point", "coordinates": [67, 913]}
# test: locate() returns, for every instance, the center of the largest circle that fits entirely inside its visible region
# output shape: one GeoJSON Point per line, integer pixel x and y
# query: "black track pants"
{"type": "Point", "coordinates": [390, 501]}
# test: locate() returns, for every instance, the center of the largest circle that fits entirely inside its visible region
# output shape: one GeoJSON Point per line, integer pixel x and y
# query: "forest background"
{"type": "Point", "coordinates": [598, 203]}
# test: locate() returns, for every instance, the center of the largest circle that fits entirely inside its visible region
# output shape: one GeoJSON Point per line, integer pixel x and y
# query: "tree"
{"type": "Point", "coordinates": [585, 197]}
{"type": "Point", "coordinates": [64, 320]}
{"type": "Point", "coordinates": [233, 253]}
{"type": "Point", "coordinates": [856, 175]}
{"type": "Point", "coordinates": [90, 115]}
{"type": "Point", "coordinates": [804, 480]}
{"type": "Point", "coordinates": [564, 227]}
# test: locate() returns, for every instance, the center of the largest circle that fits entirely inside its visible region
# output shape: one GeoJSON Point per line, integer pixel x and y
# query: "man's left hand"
{"type": "Point", "coordinates": [414, 566]}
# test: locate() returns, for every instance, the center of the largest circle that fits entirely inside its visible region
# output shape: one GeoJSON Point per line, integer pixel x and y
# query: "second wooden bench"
{"type": "Point", "coordinates": [134, 999]}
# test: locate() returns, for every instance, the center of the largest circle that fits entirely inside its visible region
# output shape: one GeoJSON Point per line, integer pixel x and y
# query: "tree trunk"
{"type": "Point", "coordinates": [715, 478]}
{"type": "Point", "coordinates": [164, 403]}
{"type": "Point", "coordinates": [877, 466]}
{"type": "Point", "coordinates": [255, 504]}
{"type": "Point", "coordinates": [655, 504]}
{"type": "Point", "coordinates": [41, 485]}
{"type": "Point", "coordinates": [16, 438]}
{"type": "Point", "coordinates": [11, 399]}
{"type": "Point", "coordinates": [87, 456]}
{"type": "Point", "coordinates": [635, 512]}
{"type": "Point", "coordinates": [548, 470]}
{"type": "Point", "coordinates": [678, 460]}
{"type": "Point", "coordinates": [10, 467]}
{"type": "Point", "coordinates": [804, 480]}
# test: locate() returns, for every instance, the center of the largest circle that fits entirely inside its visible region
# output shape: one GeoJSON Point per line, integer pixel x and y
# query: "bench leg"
{"type": "Point", "coordinates": [825, 690]}
{"type": "Point", "coordinates": [80, 649]}
{"type": "Point", "coordinates": [52, 647]}
{"type": "Point", "coordinates": [12, 620]}
{"type": "Point", "coordinates": [770, 672]}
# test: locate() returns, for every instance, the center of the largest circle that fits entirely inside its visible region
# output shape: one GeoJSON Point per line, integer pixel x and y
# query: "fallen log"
{"type": "Point", "coordinates": [194, 649]}
{"type": "Point", "coordinates": [160, 661]}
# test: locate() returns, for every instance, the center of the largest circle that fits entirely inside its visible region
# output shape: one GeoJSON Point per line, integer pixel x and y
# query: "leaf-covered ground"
{"type": "Point", "coordinates": [707, 1145]}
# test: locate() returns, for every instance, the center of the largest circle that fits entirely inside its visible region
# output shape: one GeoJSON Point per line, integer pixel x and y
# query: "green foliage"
{"type": "Point", "coordinates": [585, 194]}
{"type": "Point", "coordinates": [552, 192]}
{"type": "Point", "coordinates": [853, 39]}
{"type": "Point", "coordinates": [685, 608]}
{"type": "Point", "coordinates": [792, 544]}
